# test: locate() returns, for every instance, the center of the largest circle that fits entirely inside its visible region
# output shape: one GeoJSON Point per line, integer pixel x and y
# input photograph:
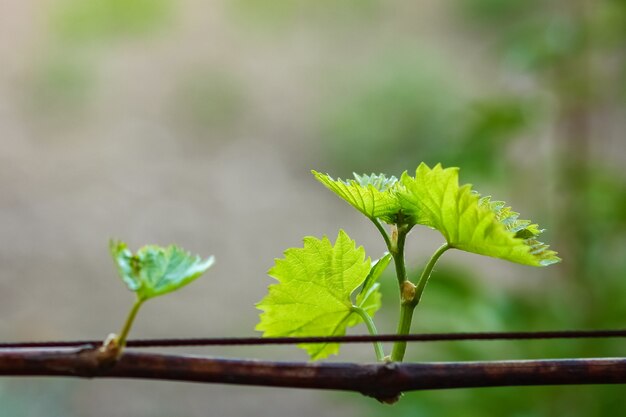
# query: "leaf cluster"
{"type": "Point", "coordinates": [434, 198]}
{"type": "Point", "coordinates": [316, 285]}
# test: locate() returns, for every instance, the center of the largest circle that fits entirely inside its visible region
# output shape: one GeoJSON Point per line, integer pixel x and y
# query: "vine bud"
{"type": "Point", "coordinates": [407, 293]}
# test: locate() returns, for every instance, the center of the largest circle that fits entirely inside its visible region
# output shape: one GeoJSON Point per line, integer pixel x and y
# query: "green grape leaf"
{"type": "Point", "coordinates": [155, 270]}
{"type": "Point", "coordinates": [468, 222]}
{"type": "Point", "coordinates": [313, 293]}
{"type": "Point", "coordinates": [373, 195]}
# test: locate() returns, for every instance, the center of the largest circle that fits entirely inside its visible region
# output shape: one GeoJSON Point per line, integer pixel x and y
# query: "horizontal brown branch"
{"type": "Point", "coordinates": [384, 381]}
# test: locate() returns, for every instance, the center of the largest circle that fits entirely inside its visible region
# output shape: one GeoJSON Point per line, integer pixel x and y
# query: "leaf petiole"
{"type": "Point", "coordinates": [428, 269]}
{"type": "Point", "coordinates": [371, 328]}
{"type": "Point", "coordinates": [382, 231]}
{"type": "Point", "coordinates": [129, 322]}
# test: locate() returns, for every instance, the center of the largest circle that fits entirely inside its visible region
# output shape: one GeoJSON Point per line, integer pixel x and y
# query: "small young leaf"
{"type": "Point", "coordinates": [468, 222]}
{"type": "Point", "coordinates": [370, 283]}
{"type": "Point", "coordinates": [369, 298]}
{"type": "Point", "coordinates": [373, 195]}
{"type": "Point", "coordinates": [313, 293]}
{"type": "Point", "coordinates": [154, 270]}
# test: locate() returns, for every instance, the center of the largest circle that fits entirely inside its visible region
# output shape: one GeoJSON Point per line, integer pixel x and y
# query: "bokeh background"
{"type": "Point", "coordinates": [197, 122]}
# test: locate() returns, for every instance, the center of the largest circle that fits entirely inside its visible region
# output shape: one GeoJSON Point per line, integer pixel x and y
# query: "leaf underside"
{"type": "Point", "coordinates": [313, 293]}
{"type": "Point", "coordinates": [373, 195]}
{"type": "Point", "coordinates": [468, 222]}
{"type": "Point", "coordinates": [155, 270]}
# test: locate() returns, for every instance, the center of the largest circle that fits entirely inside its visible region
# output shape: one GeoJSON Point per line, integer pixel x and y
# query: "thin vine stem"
{"type": "Point", "coordinates": [404, 322]}
{"type": "Point", "coordinates": [371, 328]}
{"type": "Point", "coordinates": [397, 251]}
{"type": "Point", "coordinates": [129, 322]}
{"type": "Point", "coordinates": [410, 296]}
{"type": "Point", "coordinates": [404, 328]}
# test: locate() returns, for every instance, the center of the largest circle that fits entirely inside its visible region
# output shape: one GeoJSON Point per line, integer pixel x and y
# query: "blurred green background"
{"type": "Point", "coordinates": [161, 121]}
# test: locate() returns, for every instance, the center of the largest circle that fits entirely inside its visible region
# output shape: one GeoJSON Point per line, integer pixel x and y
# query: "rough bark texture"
{"type": "Point", "coordinates": [384, 382]}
